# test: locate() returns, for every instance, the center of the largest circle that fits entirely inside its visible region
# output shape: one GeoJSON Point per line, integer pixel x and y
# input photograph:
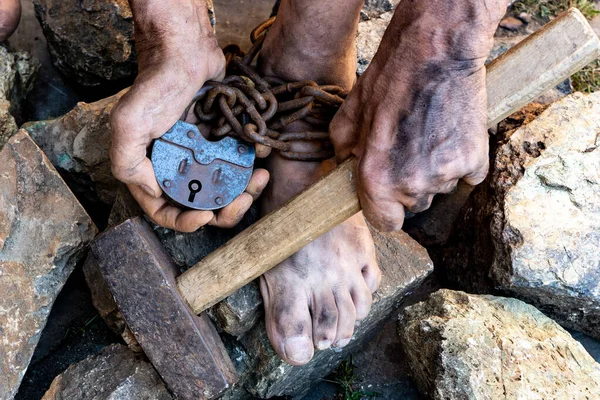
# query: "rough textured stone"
{"type": "Point", "coordinates": [77, 144]}
{"type": "Point", "coordinates": [533, 229]}
{"type": "Point", "coordinates": [263, 374]}
{"type": "Point", "coordinates": [369, 36]}
{"type": "Point", "coordinates": [114, 374]}
{"type": "Point", "coordinates": [468, 347]}
{"type": "Point", "coordinates": [91, 41]}
{"type": "Point", "coordinates": [17, 73]}
{"type": "Point", "coordinates": [43, 233]}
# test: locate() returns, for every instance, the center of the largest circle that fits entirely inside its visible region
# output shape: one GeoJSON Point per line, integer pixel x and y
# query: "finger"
{"type": "Point", "coordinates": [418, 204]}
{"type": "Point", "coordinates": [478, 175]}
{"type": "Point", "coordinates": [168, 216]}
{"type": "Point", "coordinates": [385, 216]}
{"type": "Point", "coordinates": [262, 151]}
{"type": "Point", "coordinates": [343, 133]}
{"type": "Point", "coordinates": [129, 163]}
{"type": "Point", "coordinates": [230, 216]}
{"type": "Point", "coordinates": [380, 204]}
{"type": "Point", "coordinates": [258, 182]}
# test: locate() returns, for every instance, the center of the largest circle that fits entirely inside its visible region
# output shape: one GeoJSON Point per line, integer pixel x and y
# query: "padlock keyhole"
{"type": "Point", "coordinates": [195, 186]}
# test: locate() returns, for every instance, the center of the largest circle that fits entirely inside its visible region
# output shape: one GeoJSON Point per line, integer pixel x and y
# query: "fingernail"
{"type": "Point", "coordinates": [323, 344]}
{"type": "Point", "coordinates": [148, 190]}
{"type": "Point", "coordinates": [298, 349]}
{"type": "Point", "coordinates": [342, 343]}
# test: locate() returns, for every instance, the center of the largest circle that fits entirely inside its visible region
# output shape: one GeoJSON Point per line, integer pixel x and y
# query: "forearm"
{"type": "Point", "coordinates": [159, 24]}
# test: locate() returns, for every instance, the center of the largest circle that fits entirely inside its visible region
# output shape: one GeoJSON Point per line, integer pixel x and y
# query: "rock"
{"type": "Point", "coordinates": [263, 374]}
{"type": "Point", "coordinates": [116, 374]}
{"type": "Point", "coordinates": [91, 42]}
{"type": "Point", "coordinates": [17, 73]}
{"type": "Point", "coordinates": [239, 312]}
{"type": "Point", "coordinates": [525, 17]}
{"type": "Point", "coordinates": [8, 125]}
{"type": "Point", "coordinates": [43, 234]}
{"type": "Point", "coordinates": [469, 347]}
{"type": "Point", "coordinates": [533, 228]}
{"type": "Point", "coordinates": [369, 36]}
{"type": "Point", "coordinates": [124, 207]}
{"type": "Point", "coordinates": [511, 24]}
{"type": "Point", "coordinates": [77, 144]}
{"type": "Point", "coordinates": [374, 8]}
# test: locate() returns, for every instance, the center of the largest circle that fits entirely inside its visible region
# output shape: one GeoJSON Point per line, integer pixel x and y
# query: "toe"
{"type": "Point", "coordinates": [346, 318]}
{"type": "Point", "coordinates": [325, 318]}
{"type": "Point", "coordinates": [288, 323]}
{"type": "Point", "coordinates": [372, 276]}
{"type": "Point", "coordinates": [362, 298]}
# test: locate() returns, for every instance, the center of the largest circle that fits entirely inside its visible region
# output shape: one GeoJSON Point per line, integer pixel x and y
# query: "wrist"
{"type": "Point", "coordinates": [452, 32]}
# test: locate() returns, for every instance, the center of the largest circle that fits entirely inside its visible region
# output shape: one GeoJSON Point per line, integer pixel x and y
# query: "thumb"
{"type": "Point", "coordinates": [141, 174]}
{"type": "Point", "coordinates": [129, 163]}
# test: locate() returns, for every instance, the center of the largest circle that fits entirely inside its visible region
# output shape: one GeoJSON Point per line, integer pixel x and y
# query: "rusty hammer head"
{"type": "Point", "coordinates": [185, 349]}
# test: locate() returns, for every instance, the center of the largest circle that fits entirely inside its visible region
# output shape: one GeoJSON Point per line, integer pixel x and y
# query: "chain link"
{"type": "Point", "coordinates": [257, 109]}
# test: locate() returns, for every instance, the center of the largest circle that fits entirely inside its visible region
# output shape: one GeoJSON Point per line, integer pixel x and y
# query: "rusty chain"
{"type": "Point", "coordinates": [257, 109]}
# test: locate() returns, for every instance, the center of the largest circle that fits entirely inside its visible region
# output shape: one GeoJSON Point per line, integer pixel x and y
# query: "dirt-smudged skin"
{"type": "Point", "coordinates": [10, 15]}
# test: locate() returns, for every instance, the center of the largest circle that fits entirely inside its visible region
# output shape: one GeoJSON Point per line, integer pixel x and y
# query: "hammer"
{"type": "Point", "coordinates": [161, 308]}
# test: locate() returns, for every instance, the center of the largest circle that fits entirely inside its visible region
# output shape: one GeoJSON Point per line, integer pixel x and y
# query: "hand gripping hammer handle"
{"type": "Point", "coordinates": [538, 63]}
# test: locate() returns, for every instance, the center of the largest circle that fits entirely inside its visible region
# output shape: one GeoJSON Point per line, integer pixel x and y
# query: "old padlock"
{"type": "Point", "coordinates": [200, 174]}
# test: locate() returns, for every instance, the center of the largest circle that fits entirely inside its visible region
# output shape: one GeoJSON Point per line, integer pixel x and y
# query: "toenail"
{"type": "Point", "coordinates": [342, 343]}
{"type": "Point", "coordinates": [298, 349]}
{"type": "Point", "coordinates": [323, 344]}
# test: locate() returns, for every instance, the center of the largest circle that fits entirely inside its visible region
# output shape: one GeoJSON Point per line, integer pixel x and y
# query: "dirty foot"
{"type": "Point", "coordinates": [314, 298]}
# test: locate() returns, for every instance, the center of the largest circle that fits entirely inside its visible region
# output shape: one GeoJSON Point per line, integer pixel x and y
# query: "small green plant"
{"type": "Point", "coordinates": [588, 79]}
{"type": "Point", "coordinates": [346, 381]}
{"type": "Point", "coordinates": [545, 10]}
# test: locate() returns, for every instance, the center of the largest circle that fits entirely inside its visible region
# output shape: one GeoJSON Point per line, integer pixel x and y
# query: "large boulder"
{"type": "Point", "coordinates": [114, 374]}
{"type": "Point", "coordinates": [43, 234]}
{"type": "Point", "coordinates": [533, 228]}
{"type": "Point", "coordinates": [471, 347]}
{"type": "Point", "coordinates": [77, 144]}
{"type": "Point", "coordinates": [91, 41]}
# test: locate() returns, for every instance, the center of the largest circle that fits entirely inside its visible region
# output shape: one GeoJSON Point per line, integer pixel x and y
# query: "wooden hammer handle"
{"type": "Point", "coordinates": [541, 61]}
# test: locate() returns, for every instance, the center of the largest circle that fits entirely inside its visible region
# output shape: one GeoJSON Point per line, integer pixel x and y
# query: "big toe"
{"type": "Point", "coordinates": [288, 323]}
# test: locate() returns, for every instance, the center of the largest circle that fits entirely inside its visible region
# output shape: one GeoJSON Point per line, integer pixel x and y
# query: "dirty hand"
{"type": "Point", "coordinates": [177, 52]}
{"type": "Point", "coordinates": [417, 118]}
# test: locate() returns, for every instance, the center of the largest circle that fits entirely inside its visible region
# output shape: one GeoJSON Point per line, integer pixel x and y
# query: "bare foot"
{"type": "Point", "coordinates": [314, 298]}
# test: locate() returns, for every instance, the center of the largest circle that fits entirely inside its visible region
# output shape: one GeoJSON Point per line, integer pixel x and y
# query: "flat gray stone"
{"type": "Point", "coordinates": [43, 234]}
{"type": "Point", "coordinates": [471, 347]}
